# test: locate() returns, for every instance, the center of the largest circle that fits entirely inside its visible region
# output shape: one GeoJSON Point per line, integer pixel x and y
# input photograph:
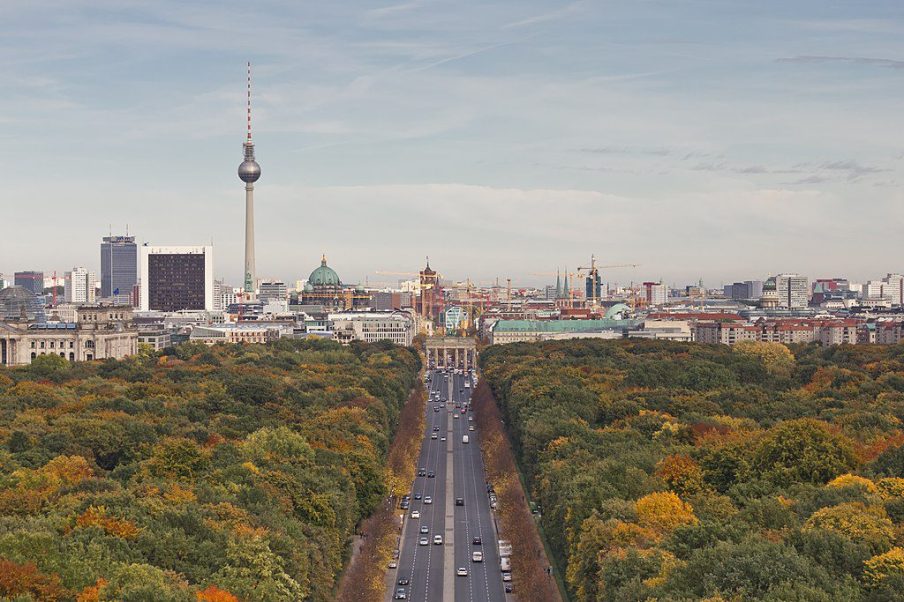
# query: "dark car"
{"type": "Point", "coordinates": [421, 472]}
{"type": "Point", "coordinates": [459, 501]}
{"type": "Point", "coordinates": [508, 588]}
{"type": "Point", "coordinates": [417, 496]}
{"type": "Point", "coordinates": [404, 504]}
{"type": "Point", "coordinates": [404, 581]}
{"type": "Point", "coordinates": [436, 429]}
{"type": "Point", "coordinates": [477, 541]}
{"type": "Point", "coordinates": [431, 475]}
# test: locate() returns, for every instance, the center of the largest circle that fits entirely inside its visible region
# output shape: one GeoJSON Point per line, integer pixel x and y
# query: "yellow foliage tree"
{"type": "Point", "coordinates": [857, 521]}
{"type": "Point", "coordinates": [849, 480]}
{"type": "Point", "coordinates": [880, 567]}
{"type": "Point", "coordinates": [891, 487]}
{"type": "Point", "coordinates": [663, 511]}
{"type": "Point", "coordinates": [777, 359]}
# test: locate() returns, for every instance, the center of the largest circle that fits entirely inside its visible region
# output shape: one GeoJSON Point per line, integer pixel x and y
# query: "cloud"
{"type": "Point", "coordinates": [851, 60]}
{"type": "Point", "coordinates": [544, 17]}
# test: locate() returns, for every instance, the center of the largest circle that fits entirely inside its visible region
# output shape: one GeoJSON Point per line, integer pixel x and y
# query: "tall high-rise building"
{"type": "Point", "coordinates": [31, 280]}
{"type": "Point", "coordinates": [80, 286]}
{"type": "Point", "coordinates": [177, 278]}
{"type": "Point", "coordinates": [793, 291]}
{"type": "Point", "coordinates": [118, 265]}
{"type": "Point", "coordinates": [249, 172]}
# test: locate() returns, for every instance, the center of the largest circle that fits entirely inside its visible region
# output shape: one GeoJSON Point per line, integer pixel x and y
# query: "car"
{"type": "Point", "coordinates": [509, 588]}
{"type": "Point", "coordinates": [463, 410]}
{"type": "Point", "coordinates": [400, 594]}
{"type": "Point", "coordinates": [438, 540]}
{"type": "Point", "coordinates": [506, 576]}
{"type": "Point", "coordinates": [423, 541]}
{"type": "Point", "coordinates": [442, 438]}
{"type": "Point", "coordinates": [421, 472]}
{"type": "Point", "coordinates": [436, 429]}
{"type": "Point", "coordinates": [404, 505]}
{"type": "Point", "coordinates": [395, 554]}
{"type": "Point", "coordinates": [434, 436]}
{"type": "Point", "coordinates": [459, 501]}
{"type": "Point", "coordinates": [428, 500]}
{"type": "Point", "coordinates": [415, 514]}
{"type": "Point", "coordinates": [455, 416]}
{"type": "Point", "coordinates": [431, 475]}
{"type": "Point", "coordinates": [476, 541]}
{"type": "Point", "coordinates": [436, 409]}
{"type": "Point", "coordinates": [470, 419]}
{"type": "Point", "coordinates": [425, 529]}
{"type": "Point", "coordinates": [477, 557]}
{"type": "Point", "coordinates": [462, 572]}
{"type": "Point", "coordinates": [471, 427]}
{"type": "Point", "coordinates": [417, 496]}
{"type": "Point", "coordinates": [404, 581]}
{"type": "Point", "coordinates": [393, 564]}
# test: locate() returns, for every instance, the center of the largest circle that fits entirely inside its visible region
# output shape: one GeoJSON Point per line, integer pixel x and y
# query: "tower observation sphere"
{"type": "Point", "coordinates": [249, 171]}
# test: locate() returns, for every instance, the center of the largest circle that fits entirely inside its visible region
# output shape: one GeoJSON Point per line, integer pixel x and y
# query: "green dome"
{"type": "Point", "coordinates": [324, 275]}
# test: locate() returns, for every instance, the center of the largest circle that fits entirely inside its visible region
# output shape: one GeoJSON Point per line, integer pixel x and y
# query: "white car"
{"type": "Point", "coordinates": [462, 572]}
{"type": "Point", "coordinates": [471, 427]}
{"type": "Point", "coordinates": [415, 514]}
{"type": "Point", "coordinates": [428, 500]}
{"type": "Point", "coordinates": [438, 540]}
{"type": "Point", "coordinates": [506, 576]}
{"type": "Point", "coordinates": [477, 557]}
{"type": "Point", "coordinates": [423, 541]}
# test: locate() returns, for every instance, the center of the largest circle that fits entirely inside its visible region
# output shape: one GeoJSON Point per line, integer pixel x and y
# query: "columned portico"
{"type": "Point", "coordinates": [451, 352]}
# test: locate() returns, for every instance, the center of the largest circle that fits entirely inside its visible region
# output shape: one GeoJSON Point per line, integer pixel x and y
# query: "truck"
{"type": "Point", "coordinates": [505, 565]}
{"type": "Point", "coordinates": [465, 439]}
{"type": "Point", "coordinates": [505, 548]}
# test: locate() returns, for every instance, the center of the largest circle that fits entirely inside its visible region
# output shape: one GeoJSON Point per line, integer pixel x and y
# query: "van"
{"type": "Point", "coordinates": [465, 439]}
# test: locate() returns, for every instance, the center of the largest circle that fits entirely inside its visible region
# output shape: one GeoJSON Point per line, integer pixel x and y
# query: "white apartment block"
{"type": "Point", "coordinates": [793, 291]}
{"type": "Point", "coordinates": [80, 286]}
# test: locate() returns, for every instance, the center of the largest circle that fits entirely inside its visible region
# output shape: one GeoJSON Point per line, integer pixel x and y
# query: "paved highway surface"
{"type": "Point", "coordinates": [459, 473]}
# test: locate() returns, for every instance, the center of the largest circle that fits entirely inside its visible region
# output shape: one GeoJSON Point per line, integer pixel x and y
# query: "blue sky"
{"type": "Point", "coordinates": [715, 139]}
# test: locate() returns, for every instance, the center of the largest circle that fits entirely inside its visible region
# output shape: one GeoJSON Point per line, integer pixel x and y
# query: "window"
{"type": "Point", "coordinates": [32, 344]}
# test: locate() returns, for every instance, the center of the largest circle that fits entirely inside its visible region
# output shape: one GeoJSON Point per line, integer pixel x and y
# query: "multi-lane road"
{"type": "Point", "coordinates": [458, 511]}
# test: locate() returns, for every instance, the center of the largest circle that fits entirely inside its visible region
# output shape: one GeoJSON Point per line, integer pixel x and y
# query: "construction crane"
{"type": "Point", "coordinates": [594, 275]}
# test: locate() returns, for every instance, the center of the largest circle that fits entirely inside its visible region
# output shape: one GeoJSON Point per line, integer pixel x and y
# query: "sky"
{"type": "Point", "coordinates": [721, 140]}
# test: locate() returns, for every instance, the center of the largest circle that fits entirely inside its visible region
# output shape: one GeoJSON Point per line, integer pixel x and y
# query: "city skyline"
{"type": "Point", "coordinates": [535, 135]}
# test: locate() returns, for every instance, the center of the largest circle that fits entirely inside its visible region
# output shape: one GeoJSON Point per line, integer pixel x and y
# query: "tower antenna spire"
{"type": "Point", "coordinates": [249, 101]}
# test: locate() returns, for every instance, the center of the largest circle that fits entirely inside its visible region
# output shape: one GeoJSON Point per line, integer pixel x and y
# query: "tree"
{"type": "Point", "coordinates": [882, 566]}
{"type": "Point", "coordinates": [775, 357]}
{"type": "Point", "coordinates": [681, 473]}
{"type": "Point", "coordinates": [869, 524]}
{"type": "Point", "coordinates": [254, 573]}
{"type": "Point", "coordinates": [663, 511]}
{"type": "Point", "coordinates": [802, 450]}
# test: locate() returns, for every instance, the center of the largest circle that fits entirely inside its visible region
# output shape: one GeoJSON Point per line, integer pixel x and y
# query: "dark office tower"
{"type": "Point", "coordinates": [32, 281]}
{"type": "Point", "coordinates": [118, 265]}
{"type": "Point", "coordinates": [176, 278]}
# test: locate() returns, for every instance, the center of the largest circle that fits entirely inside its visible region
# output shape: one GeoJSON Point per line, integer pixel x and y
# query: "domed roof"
{"type": "Point", "coordinates": [17, 302]}
{"type": "Point", "coordinates": [769, 285]}
{"type": "Point", "coordinates": [324, 275]}
{"type": "Point", "coordinates": [617, 312]}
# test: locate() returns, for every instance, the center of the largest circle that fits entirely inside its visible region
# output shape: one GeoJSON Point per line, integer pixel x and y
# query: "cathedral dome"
{"type": "Point", "coordinates": [324, 275]}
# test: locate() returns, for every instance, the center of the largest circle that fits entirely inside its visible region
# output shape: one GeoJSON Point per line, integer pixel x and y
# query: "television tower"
{"type": "Point", "coordinates": [249, 172]}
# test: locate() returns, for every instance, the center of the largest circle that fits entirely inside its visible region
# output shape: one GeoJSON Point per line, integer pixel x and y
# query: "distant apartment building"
{"type": "Point", "coordinates": [31, 280]}
{"type": "Point", "coordinates": [372, 327]}
{"type": "Point", "coordinates": [793, 291]}
{"type": "Point", "coordinates": [177, 278]}
{"type": "Point", "coordinates": [890, 288]}
{"type": "Point", "coordinates": [118, 266]}
{"type": "Point", "coordinates": [80, 286]}
{"type": "Point", "coordinates": [275, 290]}
{"type": "Point", "coordinates": [234, 333]}
{"type": "Point", "coordinates": [655, 293]}
{"type": "Point", "coordinates": [889, 332]}
{"type": "Point", "coordinates": [389, 300]}
{"type": "Point", "coordinates": [725, 333]}
{"type": "Point", "coordinates": [740, 291]}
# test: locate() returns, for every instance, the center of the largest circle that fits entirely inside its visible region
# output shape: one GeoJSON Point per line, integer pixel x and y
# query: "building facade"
{"type": "Point", "coordinates": [274, 290]}
{"type": "Point", "coordinates": [118, 265]}
{"type": "Point", "coordinates": [177, 278]}
{"type": "Point", "coordinates": [101, 332]}
{"type": "Point", "coordinates": [372, 327]}
{"type": "Point", "coordinates": [80, 286]}
{"type": "Point", "coordinates": [793, 291]}
{"type": "Point", "coordinates": [31, 280]}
